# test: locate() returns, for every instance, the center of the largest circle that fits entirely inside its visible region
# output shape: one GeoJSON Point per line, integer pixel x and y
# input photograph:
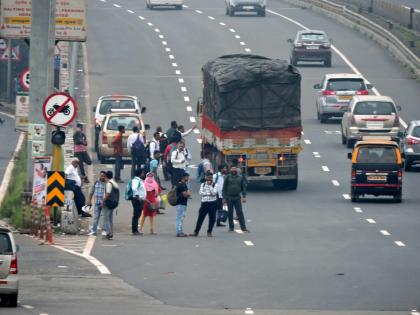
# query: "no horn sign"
{"type": "Point", "coordinates": [59, 109]}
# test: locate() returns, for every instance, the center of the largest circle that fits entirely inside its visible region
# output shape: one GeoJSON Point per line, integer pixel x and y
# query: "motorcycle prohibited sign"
{"type": "Point", "coordinates": [59, 109]}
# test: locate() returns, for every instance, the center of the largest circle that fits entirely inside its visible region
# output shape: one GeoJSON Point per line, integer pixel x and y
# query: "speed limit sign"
{"type": "Point", "coordinates": [25, 79]}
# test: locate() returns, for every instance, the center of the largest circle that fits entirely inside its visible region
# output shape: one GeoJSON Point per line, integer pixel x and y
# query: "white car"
{"type": "Point", "coordinates": [257, 6]}
{"type": "Point", "coordinates": [9, 281]}
{"type": "Point", "coordinates": [150, 4]}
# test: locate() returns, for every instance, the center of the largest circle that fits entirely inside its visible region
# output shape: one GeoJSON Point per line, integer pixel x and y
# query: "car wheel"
{"type": "Point", "coordinates": [327, 62]}
{"type": "Point", "coordinates": [343, 138]}
{"type": "Point", "coordinates": [179, 7]}
{"type": "Point", "coordinates": [318, 116]}
{"type": "Point", "coordinates": [350, 143]}
{"type": "Point", "coordinates": [407, 166]}
{"type": "Point", "coordinates": [354, 196]}
{"type": "Point", "coordinates": [12, 300]}
{"type": "Point", "coordinates": [398, 197]}
{"type": "Point", "coordinates": [322, 118]}
{"type": "Point", "coordinates": [262, 12]}
{"type": "Point", "coordinates": [231, 11]}
{"type": "Point", "coordinates": [227, 11]}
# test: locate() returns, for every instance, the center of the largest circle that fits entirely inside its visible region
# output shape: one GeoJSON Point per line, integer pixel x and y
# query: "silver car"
{"type": "Point", "coordinates": [9, 282]}
{"type": "Point", "coordinates": [257, 6]}
{"type": "Point", "coordinates": [411, 145]}
{"type": "Point", "coordinates": [370, 115]}
{"type": "Point", "coordinates": [335, 93]}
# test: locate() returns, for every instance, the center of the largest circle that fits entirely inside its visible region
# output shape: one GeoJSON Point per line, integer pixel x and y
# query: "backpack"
{"type": "Point", "coordinates": [112, 201]}
{"type": "Point", "coordinates": [129, 190]}
{"type": "Point", "coordinates": [173, 196]}
{"type": "Point", "coordinates": [200, 172]}
{"type": "Point", "coordinates": [138, 145]}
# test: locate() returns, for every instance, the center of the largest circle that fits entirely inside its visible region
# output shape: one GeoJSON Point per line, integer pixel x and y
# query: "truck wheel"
{"type": "Point", "coordinates": [407, 165]}
{"type": "Point", "coordinates": [278, 184]}
{"type": "Point", "coordinates": [292, 184]}
{"type": "Point", "coordinates": [323, 119]}
{"type": "Point", "coordinates": [350, 143]}
{"type": "Point", "coordinates": [398, 197]}
{"type": "Point", "coordinates": [354, 196]}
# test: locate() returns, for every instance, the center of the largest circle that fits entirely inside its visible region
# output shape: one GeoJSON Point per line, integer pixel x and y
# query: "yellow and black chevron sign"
{"type": "Point", "coordinates": [55, 189]}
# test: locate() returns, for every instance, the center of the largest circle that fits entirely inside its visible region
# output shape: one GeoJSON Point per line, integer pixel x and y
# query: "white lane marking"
{"type": "Point", "coordinates": [189, 109]}
{"type": "Point", "coordinates": [164, 43]}
{"type": "Point", "coordinates": [335, 182]}
{"type": "Point", "coordinates": [62, 267]}
{"type": "Point", "coordinates": [171, 57]}
{"type": "Point", "coordinates": [316, 154]}
{"type": "Point", "coordinates": [7, 115]}
{"type": "Point", "coordinates": [174, 64]}
{"type": "Point", "coordinates": [247, 50]}
{"type": "Point", "coordinates": [196, 131]}
{"type": "Point", "coordinates": [185, 6]}
{"type": "Point", "coordinates": [371, 221]}
{"type": "Point", "coordinates": [89, 245]}
{"type": "Point", "coordinates": [192, 119]}
{"type": "Point", "coordinates": [130, 11]}
{"type": "Point", "coordinates": [307, 141]}
{"type": "Point", "coordinates": [338, 52]}
{"type": "Point", "coordinates": [242, 43]}
{"type": "Point", "coordinates": [117, 5]}
{"type": "Point", "coordinates": [198, 11]}
{"type": "Point", "coordinates": [183, 89]}
{"type": "Point", "coordinates": [150, 24]}
{"type": "Point", "coordinates": [28, 307]}
{"type": "Point", "coordinates": [239, 231]}
{"type": "Point", "coordinates": [141, 17]}
{"type": "Point", "coordinates": [385, 232]}
{"type": "Point", "coordinates": [248, 243]}
{"type": "Point", "coordinates": [358, 210]}
{"type": "Point", "coordinates": [346, 196]}
{"type": "Point", "coordinates": [157, 30]}
{"type": "Point", "coordinates": [325, 168]}
{"type": "Point", "coordinates": [180, 80]}
{"type": "Point", "coordinates": [43, 313]}
{"type": "Point", "coordinates": [199, 141]}
{"type": "Point", "coordinates": [210, 17]}
{"type": "Point", "coordinates": [414, 312]}
{"type": "Point", "coordinates": [102, 0]}
{"type": "Point", "coordinates": [328, 132]}
{"type": "Point", "coordinates": [186, 98]}
{"type": "Point", "coordinates": [161, 36]}
{"type": "Point", "coordinates": [237, 36]}
{"type": "Point", "coordinates": [167, 49]}
{"type": "Point", "coordinates": [232, 30]}
{"type": "Point", "coordinates": [249, 311]}
{"type": "Point", "coordinates": [222, 24]}
{"type": "Point", "coordinates": [178, 72]}
{"type": "Point", "coordinates": [399, 243]}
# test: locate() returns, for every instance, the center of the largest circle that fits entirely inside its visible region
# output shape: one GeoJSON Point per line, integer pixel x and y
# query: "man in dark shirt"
{"type": "Point", "coordinates": [173, 134]}
{"type": "Point", "coordinates": [183, 194]}
{"type": "Point", "coordinates": [117, 145]}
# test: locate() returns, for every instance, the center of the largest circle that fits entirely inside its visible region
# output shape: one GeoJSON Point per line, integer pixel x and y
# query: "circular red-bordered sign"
{"type": "Point", "coordinates": [59, 109]}
{"type": "Point", "coordinates": [25, 79]}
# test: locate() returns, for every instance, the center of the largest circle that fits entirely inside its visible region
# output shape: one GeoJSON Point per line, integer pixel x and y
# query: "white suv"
{"type": "Point", "coordinates": [150, 4]}
{"type": "Point", "coordinates": [9, 282]}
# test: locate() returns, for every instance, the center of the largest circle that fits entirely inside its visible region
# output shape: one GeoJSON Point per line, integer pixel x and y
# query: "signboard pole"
{"type": "Point", "coordinates": [9, 72]}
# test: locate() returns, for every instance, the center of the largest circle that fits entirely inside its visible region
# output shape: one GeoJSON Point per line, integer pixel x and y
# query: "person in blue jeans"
{"type": "Point", "coordinates": [98, 191]}
{"type": "Point", "coordinates": [183, 193]}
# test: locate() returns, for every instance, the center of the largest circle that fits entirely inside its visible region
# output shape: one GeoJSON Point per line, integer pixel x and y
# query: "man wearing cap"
{"type": "Point", "coordinates": [80, 151]}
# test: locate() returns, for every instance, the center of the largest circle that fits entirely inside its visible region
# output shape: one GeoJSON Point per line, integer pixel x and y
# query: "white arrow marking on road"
{"type": "Point", "coordinates": [222, 24]}
{"type": "Point", "coordinates": [371, 221]}
{"type": "Point", "coordinates": [307, 141]}
{"type": "Point", "coordinates": [358, 210]}
{"type": "Point", "coordinates": [117, 5]}
{"type": "Point", "coordinates": [346, 196]}
{"type": "Point", "coordinates": [385, 232]}
{"type": "Point", "coordinates": [248, 243]}
{"type": "Point", "coordinates": [399, 243]}
{"type": "Point", "coordinates": [192, 119]}
{"type": "Point", "coordinates": [335, 182]}
{"type": "Point", "coordinates": [325, 168]}
{"type": "Point", "coordinates": [180, 80]}
{"type": "Point", "coordinates": [141, 17]}
{"type": "Point", "coordinates": [183, 89]}
{"type": "Point", "coordinates": [129, 11]}
{"type": "Point", "coordinates": [189, 109]}
{"type": "Point", "coordinates": [186, 98]}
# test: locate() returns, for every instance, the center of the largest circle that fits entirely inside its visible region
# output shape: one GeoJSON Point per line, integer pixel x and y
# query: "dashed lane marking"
{"type": "Point", "coordinates": [247, 50]}
{"type": "Point", "coordinates": [164, 43]}
{"type": "Point", "coordinates": [358, 210]}
{"type": "Point", "coordinates": [192, 119]}
{"type": "Point", "coordinates": [325, 168]}
{"type": "Point", "coordinates": [248, 243]}
{"type": "Point", "coordinates": [222, 24]}
{"type": "Point", "coordinates": [346, 196]}
{"type": "Point", "coordinates": [130, 11]}
{"type": "Point", "coordinates": [149, 23]}
{"type": "Point", "coordinates": [399, 243]}
{"type": "Point", "coordinates": [28, 307]}
{"type": "Point", "coordinates": [167, 49]}
{"type": "Point", "coordinates": [414, 312]}
{"type": "Point", "coordinates": [335, 182]}
{"type": "Point", "coordinates": [237, 36]}
{"type": "Point", "coordinates": [141, 17]}
{"type": "Point", "coordinates": [371, 221]}
{"type": "Point", "coordinates": [171, 57]}
{"type": "Point", "coordinates": [385, 232]}
{"type": "Point", "coordinates": [199, 141]}
{"type": "Point", "coordinates": [178, 72]}
{"type": "Point", "coordinates": [162, 37]}
{"type": "Point", "coordinates": [199, 12]}
{"type": "Point", "coordinates": [117, 5]}
{"type": "Point", "coordinates": [307, 141]}
{"type": "Point", "coordinates": [210, 17]}
{"type": "Point", "coordinates": [189, 109]}
{"type": "Point", "coordinates": [181, 80]}
{"type": "Point", "coordinates": [186, 98]}
{"type": "Point", "coordinates": [157, 30]}
{"type": "Point", "coordinates": [183, 89]}
{"type": "Point", "coordinates": [242, 44]}
{"type": "Point", "coordinates": [249, 311]}
{"type": "Point", "coordinates": [185, 6]}
{"type": "Point", "coordinates": [232, 30]}
{"type": "Point", "coordinates": [196, 131]}
{"type": "Point", "coordinates": [174, 64]}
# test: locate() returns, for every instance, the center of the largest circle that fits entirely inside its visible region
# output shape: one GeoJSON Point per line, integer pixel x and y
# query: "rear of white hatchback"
{"type": "Point", "coordinates": [9, 282]}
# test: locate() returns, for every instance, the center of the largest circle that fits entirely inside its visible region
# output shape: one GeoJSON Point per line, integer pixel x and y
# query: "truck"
{"type": "Point", "coordinates": [251, 117]}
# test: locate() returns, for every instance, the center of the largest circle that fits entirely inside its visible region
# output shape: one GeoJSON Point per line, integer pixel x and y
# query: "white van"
{"type": "Point", "coordinates": [150, 4]}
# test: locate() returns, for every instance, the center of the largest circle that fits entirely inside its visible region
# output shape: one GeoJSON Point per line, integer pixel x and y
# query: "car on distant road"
{"type": "Point", "coordinates": [150, 4]}
{"type": "Point", "coordinates": [109, 129]}
{"type": "Point", "coordinates": [257, 6]}
{"type": "Point", "coordinates": [116, 102]}
{"type": "Point", "coordinates": [370, 115]}
{"type": "Point", "coordinates": [9, 281]}
{"type": "Point", "coordinates": [411, 145]}
{"type": "Point", "coordinates": [376, 168]}
{"type": "Point", "coordinates": [310, 45]}
{"type": "Point", "coordinates": [335, 93]}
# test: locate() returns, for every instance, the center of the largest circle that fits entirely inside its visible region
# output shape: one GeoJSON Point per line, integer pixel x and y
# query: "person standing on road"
{"type": "Point", "coordinates": [139, 196]}
{"type": "Point", "coordinates": [153, 145]}
{"type": "Point", "coordinates": [183, 194]}
{"type": "Point", "coordinates": [98, 192]}
{"type": "Point", "coordinates": [135, 145]}
{"type": "Point", "coordinates": [80, 151]}
{"type": "Point", "coordinates": [218, 179]}
{"type": "Point", "coordinates": [234, 185]}
{"type": "Point", "coordinates": [74, 183]}
{"type": "Point", "coordinates": [163, 143]}
{"type": "Point", "coordinates": [208, 192]}
{"type": "Point", "coordinates": [178, 161]}
{"type": "Point", "coordinates": [110, 203]}
{"type": "Point", "coordinates": [151, 205]}
{"type": "Point", "coordinates": [117, 145]}
{"type": "Point", "coordinates": [172, 131]}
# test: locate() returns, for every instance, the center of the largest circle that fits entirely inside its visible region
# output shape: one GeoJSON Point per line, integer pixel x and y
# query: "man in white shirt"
{"type": "Point", "coordinates": [218, 179]}
{"type": "Point", "coordinates": [71, 173]}
{"type": "Point", "coordinates": [178, 161]}
{"type": "Point", "coordinates": [154, 145]}
{"type": "Point", "coordinates": [139, 196]}
{"type": "Point", "coordinates": [74, 183]}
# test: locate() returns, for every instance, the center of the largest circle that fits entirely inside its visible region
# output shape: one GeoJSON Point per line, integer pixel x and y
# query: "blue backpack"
{"type": "Point", "coordinates": [200, 173]}
{"type": "Point", "coordinates": [129, 190]}
{"type": "Point", "coordinates": [138, 145]}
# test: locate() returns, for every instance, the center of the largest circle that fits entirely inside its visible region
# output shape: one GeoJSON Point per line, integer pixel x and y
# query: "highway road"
{"type": "Point", "coordinates": [310, 249]}
{"type": "Point", "coordinates": [7, 131]}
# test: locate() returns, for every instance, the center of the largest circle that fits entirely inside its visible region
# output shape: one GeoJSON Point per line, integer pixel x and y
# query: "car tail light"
{"type": "Point", "coordinates": [412, 141]}
{"type": "Point", "coordinates": [400, 174]}
{"type": "Point", "coordinates": [353, 175]}
{"type": "Point", "coordinates": [13, 265]}
{"type": "Point", "coordinates": [298, 45]}
{"type": "Point", "coordinates": [397, 121]}
{"type": "Point", "coordinates": [362, 92]}
{"type": "Point", "coordinates": [104, 138]}
{"type": "Point", "coordinates": [328, 92]}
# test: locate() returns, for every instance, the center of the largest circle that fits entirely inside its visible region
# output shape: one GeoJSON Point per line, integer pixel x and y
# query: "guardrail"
{"type": "Point", "coordinates": [372, 30]}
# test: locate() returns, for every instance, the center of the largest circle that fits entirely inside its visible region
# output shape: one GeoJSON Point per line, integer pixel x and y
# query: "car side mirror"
{"type": "Point", "coordinates": [317, 86]}
{"type": "Point", "coordinates": [290, 40]}
{"type": "Point", "coordinates": [349, 155]}
{"type": "Point", "coordinates": [399, 107]}
{"type": "Point", "coordinates": [147, 126]}
{"type": "Point", "coordinates": [369, 86]}
{"type": "Point", "coordinates": [94, 109]}
{"type": "Point", "coordinates": [143, 110]}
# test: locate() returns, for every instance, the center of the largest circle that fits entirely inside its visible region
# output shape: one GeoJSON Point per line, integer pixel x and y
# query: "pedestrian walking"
{"type": "Point", "coordinates": [183, 194]}
{"type": "Point", "coordinates": [80, 150]}
{"type": "Point", "coordinates": [208, 193]}
{"type": "Point", "coordinates": [98, 194]}
{"type": "Point", "coordinates": [233, 187]}
{"type": "Point", "coordinates": [74, 183]}
{"type": "Point", "coordinates": [117, 145]}
{"type": "Point", "coordinates": [135, 145]}
{"type": "Point", "coordinates": [154, 145]}
{"type": "Point", "coordinates": [138, 201]}
{"type": "Point", "coordinates": [151, 205]}
{"type": "Point", "coordinates": [178, 161]}
{"type": "Point", "coordinates": [111, 200]}
{"type": "Point", "coordinates": [218, 179]}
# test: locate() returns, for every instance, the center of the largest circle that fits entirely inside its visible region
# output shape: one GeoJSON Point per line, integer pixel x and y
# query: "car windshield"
{"type": "Point", "coordinates": [127, 121]}
{"type": "Point", "coordinates": [376, 154]}
{"type": "Point", "coordinates": [313, 37]}
{"type": "Point", "coordinates": [346, 85]}
{"type": "Point", "coordinates": [5, 244]}
{"type": "Point", "coordinates": [374, 108]}
{"type": "Point", "coordinates": [416, 132]}
{"type": "Point", "coordinates": [106, 105]}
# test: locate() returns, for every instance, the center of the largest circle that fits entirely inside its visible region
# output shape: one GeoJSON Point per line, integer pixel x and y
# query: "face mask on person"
{"type": "Point", "coordinates": [234, 172]}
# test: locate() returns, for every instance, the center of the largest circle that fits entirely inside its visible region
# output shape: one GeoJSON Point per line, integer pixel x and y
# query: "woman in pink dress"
{"type": "Point", "coordinates": [151, 205]}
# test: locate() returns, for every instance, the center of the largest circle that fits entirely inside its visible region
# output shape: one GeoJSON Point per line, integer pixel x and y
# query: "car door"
{"type": "Point", "coordinates": [346, 118]}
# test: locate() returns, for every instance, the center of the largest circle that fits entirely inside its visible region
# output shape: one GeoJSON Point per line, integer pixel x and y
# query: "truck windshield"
{"type": "Point", "coordinates": [377, 155]}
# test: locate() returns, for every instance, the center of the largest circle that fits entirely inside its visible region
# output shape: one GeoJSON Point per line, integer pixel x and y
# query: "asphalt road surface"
{"type": "Point", "coordinates": [310, 249]}
{"type": "Point", "coordinates": [7, 131]}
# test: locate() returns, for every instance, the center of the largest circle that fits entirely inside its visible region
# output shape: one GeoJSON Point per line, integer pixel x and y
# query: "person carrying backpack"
{"type": "Point", "coordinates": [110, 203]}
{"type": "Point", "coordinates": [136, 193]}
{"type": "Point", "coordinates": [135, 145]}
{"type": "Point", "coordinates": [178, 161]}
{"type": "Point", "coordinates": [167, 164]}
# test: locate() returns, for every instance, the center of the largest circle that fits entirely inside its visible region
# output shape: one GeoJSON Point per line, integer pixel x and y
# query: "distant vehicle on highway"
{"type": "Point", "coordinates": [150, 4]}
{"type": "Point", "coordinates": [310, 45]}
{"type": "Point", "coordinates": [9, 281]}
{"type": "Point", "coordinates": [335, 93]}
{"type": "Point", "coordinates": [109, 129]}
{"type": "Point", "coordinates": [257, 6]}
{"type": "Point", "coordinates": [116, 102]}
{"type": "Point", "coordinates": [376, 168]}
{"type": "Point", "coordinates": [411, 145]}
{"type": "Point", "coordinates": [370, 115]}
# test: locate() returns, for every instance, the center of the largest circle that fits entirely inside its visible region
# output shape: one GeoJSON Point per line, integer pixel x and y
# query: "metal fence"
{"type": "Point", "coordinates": [408, 17]}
